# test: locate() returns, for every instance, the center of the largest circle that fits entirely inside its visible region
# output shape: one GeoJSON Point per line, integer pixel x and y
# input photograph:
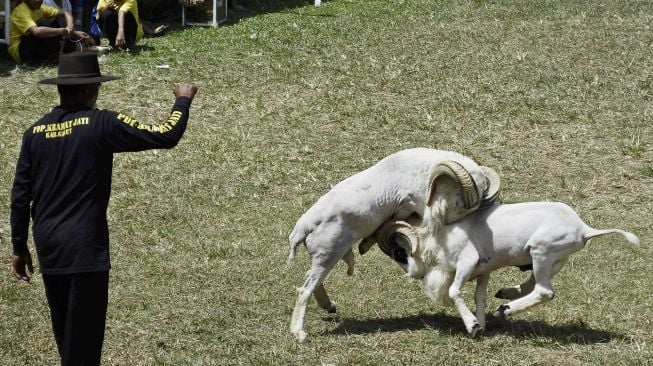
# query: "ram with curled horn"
{"type": "Point", "coordinates": [454, 192]}
{"type": "Point", "coordinates": [537, 236]}
{"type": "Point", "coordinates": [400, 186]}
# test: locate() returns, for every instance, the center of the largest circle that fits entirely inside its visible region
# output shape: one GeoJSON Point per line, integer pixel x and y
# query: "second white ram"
{"type": "Point", "coordinates": [537, 235]}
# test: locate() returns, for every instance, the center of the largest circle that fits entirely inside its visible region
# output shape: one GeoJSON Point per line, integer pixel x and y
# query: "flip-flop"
{"type": "Point", "coordinates": [100, 49]}
{"type": "Point", "coordinates": [160, 30]}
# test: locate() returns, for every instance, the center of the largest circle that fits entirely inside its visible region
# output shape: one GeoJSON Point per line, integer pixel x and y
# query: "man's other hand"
{"type": "Point", "coordinates": [20, 264]}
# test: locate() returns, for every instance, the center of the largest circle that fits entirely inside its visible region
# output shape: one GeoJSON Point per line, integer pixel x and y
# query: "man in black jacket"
{"type": "Point", "coordinates": [63, 179]}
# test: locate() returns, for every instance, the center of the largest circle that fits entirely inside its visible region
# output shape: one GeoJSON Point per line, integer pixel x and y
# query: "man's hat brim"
{"type": "Point", "coordinates": [79, 80]}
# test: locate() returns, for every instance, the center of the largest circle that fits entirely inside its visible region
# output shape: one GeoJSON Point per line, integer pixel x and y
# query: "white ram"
{"type": "Point", "coordinates": [397, 187]}
{"type": "Point", "coordinates": [537, 235]}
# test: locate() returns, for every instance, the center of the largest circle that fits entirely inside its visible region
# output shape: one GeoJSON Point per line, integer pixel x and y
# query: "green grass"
{"type": "Point", "coordinates": [555, 95]}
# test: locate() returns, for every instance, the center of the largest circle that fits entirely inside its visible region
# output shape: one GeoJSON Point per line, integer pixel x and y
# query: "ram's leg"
{"type": "Point", "coordinates": [322, 299]}
{"type": "Point", "coordinates": [512, 293]}
{"type": "Point", "coordinates": [365, 245]}
{"type": "Point", "coordinates": [464, 269]}
{"type": "Point", "coordinates": [480, 297]}
{"type": "Point", "coordinates": [543, 271]}
{"type": "Point", "coordinates": [349, 259]}
{"type": "Point", "coordinates": [320, 294]}
{"type": "Point", "coordinates": [313, 283]}
{"type": "Point", "coordinates": [328, 245]}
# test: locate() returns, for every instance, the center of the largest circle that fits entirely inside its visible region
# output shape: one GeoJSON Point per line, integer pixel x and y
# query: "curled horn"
{"type": "Point", "coordinates": [457, 172]}
{"type": "Point", "coordinates": [392, 231]}
{"type": "Point", "coordinates": [493, 187]}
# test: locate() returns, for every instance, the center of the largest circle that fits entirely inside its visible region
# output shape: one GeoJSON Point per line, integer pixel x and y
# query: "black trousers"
{"type": "Point", "coordinates": [35, 50]}
{"type": "Point", "coordinates": [109, 26]}
{"type": "Point", "coordinates": [78, 308]}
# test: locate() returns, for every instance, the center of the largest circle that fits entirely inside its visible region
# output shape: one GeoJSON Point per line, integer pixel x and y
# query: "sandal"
{"type": "Point", "coordinates": [160, 30]}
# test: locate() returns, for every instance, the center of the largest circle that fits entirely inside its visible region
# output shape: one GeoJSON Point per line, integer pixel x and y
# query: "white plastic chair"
{"type": "Point", "coordinates": [219, 15]}
{"type": "Point", "coordinates": [6, 13]}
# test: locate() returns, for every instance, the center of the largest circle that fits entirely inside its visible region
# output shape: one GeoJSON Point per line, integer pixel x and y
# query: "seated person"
{"type": "Point", "coordinates": [36, 35]}
{"type": "Point", "coordinates": [59, 4]}
{"type": "Point", "coordinates": [78, 11]}
{"type": "Point", "coordinates": [119, 22]}
{"type": "Point", "coordinates": [94, 31]}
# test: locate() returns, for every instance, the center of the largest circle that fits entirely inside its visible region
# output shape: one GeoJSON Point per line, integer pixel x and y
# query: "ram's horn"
{"type": "Point", "coordinates": [391, 231]}
{"type": "Point", "coordinates": [493, 187]}
{"type": "Point", "coordinates": [457, 172]}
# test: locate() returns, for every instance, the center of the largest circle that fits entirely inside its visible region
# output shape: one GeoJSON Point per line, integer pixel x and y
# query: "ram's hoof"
{"type": "Point", "coordinates": [331, 309]}
{"type": "Point", "coordinates": [476, 330]}
{"type": "Point", "coordinates": [301, 336]}
{"type": "Point", "coordinates": [501, 311]}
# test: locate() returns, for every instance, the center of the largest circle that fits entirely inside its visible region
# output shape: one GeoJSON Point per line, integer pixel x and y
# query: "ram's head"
{"type": "Point", "coordinates": [400, 241]}
{"type": "Point", "coordinates": [455, 190]}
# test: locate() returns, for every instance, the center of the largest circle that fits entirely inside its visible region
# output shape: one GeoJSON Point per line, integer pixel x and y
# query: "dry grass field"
{"type": "Point", "coordinates": [555, 95]}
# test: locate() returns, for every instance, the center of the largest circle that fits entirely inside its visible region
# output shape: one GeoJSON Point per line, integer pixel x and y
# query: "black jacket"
{"type": "Point", "coordinates": [64, 173]}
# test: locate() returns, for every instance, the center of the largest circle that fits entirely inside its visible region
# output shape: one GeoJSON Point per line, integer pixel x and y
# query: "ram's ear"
{"type": "Point", "coordinates": [460, 175]}
{"type": "Point", "coordinates": [365, 245]}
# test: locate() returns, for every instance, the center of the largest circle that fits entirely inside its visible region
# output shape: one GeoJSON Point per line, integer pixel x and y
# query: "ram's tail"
{"type": "Point", "coordinates": [632, 238]}
{"type": "Point", "coordinates": [297, 237]}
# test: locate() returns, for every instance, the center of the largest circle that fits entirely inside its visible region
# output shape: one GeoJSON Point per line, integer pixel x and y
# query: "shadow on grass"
{"type": "Point", "coordinates": [136, 50]}
{"type": "Point", "coordinates": [6, 62]}
{"type": "Point", "coordinates": [169, 13]}
{"type": "Point", "coordinates": [258, 7]}
{"type": "Point", "coordinates": [520, 329]}
{"type": "Point", "coordinates": [252, 8]}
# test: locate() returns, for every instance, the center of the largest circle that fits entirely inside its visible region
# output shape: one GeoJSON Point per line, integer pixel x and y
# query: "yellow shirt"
{"type": "Point", "coordinates": [22, 19]}
{"type": "Point", "coordinates": [127, 6]}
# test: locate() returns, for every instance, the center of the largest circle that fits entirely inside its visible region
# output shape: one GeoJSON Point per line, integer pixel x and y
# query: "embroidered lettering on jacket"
{"type": "Point", "coordinates": [162, 128]}
{"type": "Point", "coordinates": [60, 129]}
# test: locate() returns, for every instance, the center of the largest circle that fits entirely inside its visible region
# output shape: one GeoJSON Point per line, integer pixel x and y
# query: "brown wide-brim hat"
{"type": "Point", "coordinates": [78, 68]}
